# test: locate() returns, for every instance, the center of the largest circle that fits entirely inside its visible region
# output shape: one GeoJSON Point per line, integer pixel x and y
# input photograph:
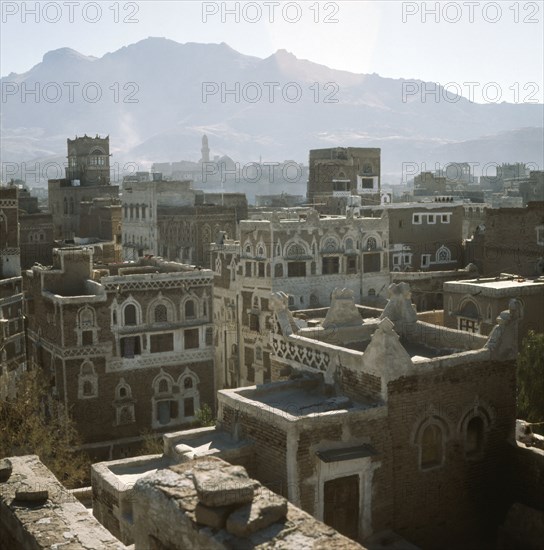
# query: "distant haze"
{"type": "Point", "coordinates": [153, 108]}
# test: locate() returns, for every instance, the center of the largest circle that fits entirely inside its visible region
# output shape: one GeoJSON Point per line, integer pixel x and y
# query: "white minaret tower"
{"type": "Point", "coordinates": [205, 149]}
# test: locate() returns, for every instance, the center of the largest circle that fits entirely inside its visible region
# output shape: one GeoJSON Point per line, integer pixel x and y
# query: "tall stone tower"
{"type": "Point", "coordinates": [89, 160]}
{"type": "Point", "coordinates": [205, 149]}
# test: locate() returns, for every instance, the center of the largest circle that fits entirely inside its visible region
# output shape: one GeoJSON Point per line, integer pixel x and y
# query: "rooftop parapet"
{"type": "Point", "coordinates": [37, 512]}
{"type": "Point", "coordinates": [208, 504]}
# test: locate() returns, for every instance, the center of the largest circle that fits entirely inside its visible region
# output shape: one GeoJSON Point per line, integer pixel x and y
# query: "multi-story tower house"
{"type": "Point", "coordinates": [175, 221]}
{"type": "Point", "coordinates": [300, 253]}
{"type": "Point", "coordinates": [12, 340]}
{"type": "Point", "coordinates": [127, 347]}
{"type": "Point", "coordinates": [338, 173]}
{"type": "Point", "coordinates": [87, 177]}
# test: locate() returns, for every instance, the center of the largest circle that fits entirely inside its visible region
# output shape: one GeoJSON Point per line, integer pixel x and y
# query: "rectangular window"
{"type": "Point", "coordinates": [261, 269]}
{"type": "Point", "coordinates": [161, 342]}
{"type": "Point", "coordinates": [248, 269]}
{"type": "Point", "coordinates": [372, 262]}
{"type": "Point", "coordinates": [191, 338]}
{"type": "Point", "coordinates": [367, 183]}
{"type": "Point", "coordinates": [296, 269]}
{"type": "Point", "coordinates": [416, 218]}
{"type": "Point", "coordinates": [468, 325]}
{"type": "Point", "coordinates": [209, 336]}
{"type": "Point", "coordinates": [254, 322]}
{"type": "Point", "coordinates": [425, 260]}
{"type": "Point", "coordinates": [330, 265]}
{"type": "Point", "coordinates": [130, 346]}
{"type": "Point", "coordinates": [396, 259]}
{"type": "Point", "coordinates": [87, 338]}
{"type": "Point", "coordinates": [167, 411]}
{"type": "Point", "coordinates": [351, 265]}
{"type": "Point", "coordinates": [188, 407]}
{"type": "Point", "coordinates": [430, 218]}
{"type": "Point", "coordinates": [445, 218]}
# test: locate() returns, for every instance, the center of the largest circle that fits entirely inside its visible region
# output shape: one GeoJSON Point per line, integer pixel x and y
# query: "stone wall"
{"type": "Point", "coordinates": [37, 512]}
{"type": "Point", "coordinates": [207, 504]}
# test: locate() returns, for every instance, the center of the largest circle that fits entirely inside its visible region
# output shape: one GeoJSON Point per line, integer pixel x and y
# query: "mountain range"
{"type": "Point", "coordinates": [153, 107]}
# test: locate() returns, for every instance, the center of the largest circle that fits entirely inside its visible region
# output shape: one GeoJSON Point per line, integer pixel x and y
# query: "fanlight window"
{"type": "Point", "coordinates": [163, 386]}
{"type": "Point", "coordinates": [371, 243]}
{"type": "Point", "coordinates": [443, 254]}
{"type": "Point", "coordinates": [349, 244]}
{"type": "Point", "coordinates": [295, 250]}
{"type": "Point", "coordinates": [86, 318]}
{"type": "Point", "coordinates": [161, 314]}
{"type": "Point", "coordinates": [331, 245]}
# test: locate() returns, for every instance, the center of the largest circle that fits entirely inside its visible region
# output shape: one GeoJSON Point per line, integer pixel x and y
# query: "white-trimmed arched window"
{"type": "Point", "coordinates": [87, 381]}
{"type": "Point", "coordinates": [443, 255]}
{"type": "Point", "coordinates": [295, 250]}
{"type": "Point", "coordinates": [330, 244]}
{"type": "Point", "coordinates": [371, 243]}
{"type": "Point", "coordinates": [190, 395]}
{"type": "Point", "coordinates": [131, 314]}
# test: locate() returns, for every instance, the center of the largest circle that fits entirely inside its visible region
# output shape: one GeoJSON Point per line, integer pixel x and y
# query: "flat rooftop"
{"type": "Point", "coordinates": [302, 397]}
{"type": "Point", "coordinates": [507, 284]}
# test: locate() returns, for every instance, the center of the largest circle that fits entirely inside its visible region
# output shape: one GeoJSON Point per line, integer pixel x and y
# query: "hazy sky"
{"type": "Point", "coordinates": [480, 42]}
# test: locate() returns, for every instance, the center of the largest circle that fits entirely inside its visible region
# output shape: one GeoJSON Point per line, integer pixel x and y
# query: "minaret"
{"type": "Point", "coordinates": [205, 149]}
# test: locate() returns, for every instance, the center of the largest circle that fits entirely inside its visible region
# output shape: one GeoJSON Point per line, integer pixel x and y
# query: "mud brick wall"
{"type": "Point", "coordinates": [527, 478]}
{"type": "Point", "coordinates": [271, 448]}
{"type": "Point", "coordinates": [357, 384]}
{"type": "Point", "coordinates": [462, 496]}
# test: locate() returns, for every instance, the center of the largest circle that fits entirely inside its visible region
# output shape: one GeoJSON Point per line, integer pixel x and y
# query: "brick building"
{"type": "Point", "coordinates": [175, 221]}
{"type": "Point", "coordinates": [127, 347]}
{"type": "Point", "coordinates": [101, 218]}
{"type": "Point", "coordinates": [427, 287]}
{"type": "Point", "coordinates": [384, 424]}
{"type": "Point", "coordinates": [473, 305]}
{"type": "Point", "coordinates": [305, 255]}
{"type": "Point", "coordinates": [511, 240]}
{"type": "Point", "coordinates": [424, 235]}
{"type": "Point", "coordinates": [87, 178]}
{"type": "Point", "coordinates": [340, 172]}
{"type": "Point", "coordinates": [12, 337]}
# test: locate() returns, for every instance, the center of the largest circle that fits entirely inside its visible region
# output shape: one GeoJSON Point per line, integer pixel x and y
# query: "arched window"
{"type": "Point", "coordinates": [122, 392]}
{"type": "Point", "coordinates": [87, 369]}
{"type": "Point", "coordinates": [188, 383]}
{"type": "Point", "coordinates": [432, 447]}
{"type": "Point", "coordinates": [349, 244]}
{"type": "Point", "coordinates": [87, 381]}
{"type": "Point", "coordinates": [371, 243]}
{"type": "Point", "coordinates": [443, 254]}
{"type": "Point", "coordinates": [161, 314]}
{"type": "Point", "coordinates": [163, 386]}
{"type": "Point", "coordinates": [261, 251]}
{"type": "Point", "coordinates": [295, 250]}
{"type": "Point", "coordinates": [190, 309]}
{"type": "Point", "coordinates": [258, 353]}
{"type": "Point", "coordinates": [330, 245]}
{"type": "Point", "coordinates": [86, 318]}
{"type": "Point", "coordinates": [129, 314]}
{"type": "Point", "coordinates": [278, 270]}
{"type": "Point", "coordinates": [474, 437]}
{"type": "Point", "coordinates": [371, 292]}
